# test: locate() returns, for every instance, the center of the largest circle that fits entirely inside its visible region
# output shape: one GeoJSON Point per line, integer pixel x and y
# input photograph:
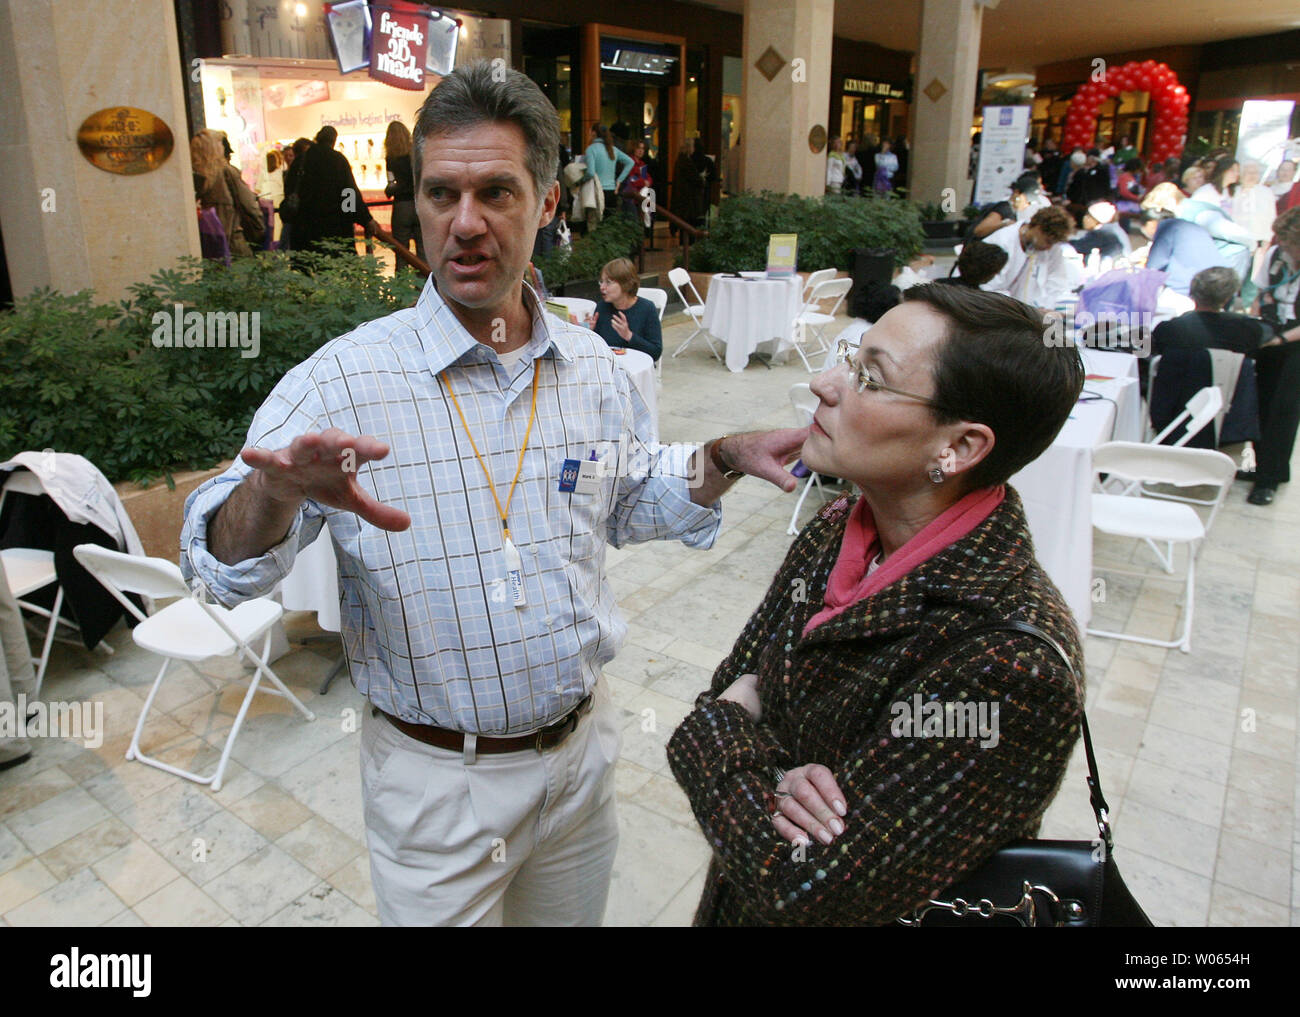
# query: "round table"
{"type": "Point", "coordinates": [640, 368]}
{"type": "Point", "coordinates": [750, 312]}
{"type": "Point", "coordinates": [580, 308]}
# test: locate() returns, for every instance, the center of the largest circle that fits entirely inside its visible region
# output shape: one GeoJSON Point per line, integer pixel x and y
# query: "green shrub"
{"type": "Point", "coordinates": [615, 237]}
{"type": "Point", "coordinates": [830, 228]}
{"type": "Point", "coordinates": [87, 377]}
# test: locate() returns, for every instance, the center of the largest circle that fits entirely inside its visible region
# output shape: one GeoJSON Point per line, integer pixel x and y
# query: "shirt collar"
{"type": "Point", "coordinates": [445, 340]}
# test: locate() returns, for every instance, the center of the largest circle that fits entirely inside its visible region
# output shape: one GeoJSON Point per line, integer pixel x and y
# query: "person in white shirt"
{"type": "Point", "coordinates": [836, 167]}
{"type": "Point", "coordinates": [1036, 270]}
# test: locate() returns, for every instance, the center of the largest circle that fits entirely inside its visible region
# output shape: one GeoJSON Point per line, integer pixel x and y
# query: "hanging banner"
{"type": "Point", "coordinates": [349, 29]}
{"type": "Point", "coordinates": [1002, 151]}
{"type": "Point", "coordinates": [398, 43]}
{"type": "Point", "coordinates": [1262, 135]}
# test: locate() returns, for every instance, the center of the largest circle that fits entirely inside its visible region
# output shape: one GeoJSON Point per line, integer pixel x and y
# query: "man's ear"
{"type": "Point", "coordinates": [550, 202]}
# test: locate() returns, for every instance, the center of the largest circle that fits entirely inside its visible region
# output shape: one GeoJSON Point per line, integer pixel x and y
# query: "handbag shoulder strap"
{"type": "Point", "coordinates": [1100, 809]}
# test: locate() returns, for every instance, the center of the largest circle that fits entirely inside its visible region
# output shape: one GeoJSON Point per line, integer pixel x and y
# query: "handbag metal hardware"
{"type": "Point", "coordinates": [1024, 911]}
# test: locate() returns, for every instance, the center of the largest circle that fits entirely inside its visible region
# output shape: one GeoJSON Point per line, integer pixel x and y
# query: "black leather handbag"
{"type": "Point", "coordinates": [1041, 883]}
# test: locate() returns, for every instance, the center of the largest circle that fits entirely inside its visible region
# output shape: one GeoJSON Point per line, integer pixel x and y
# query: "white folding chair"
{"type": "Point", "coordinates": [820, 276]}
{"type": "Point", "coordinates": [679, 277]}
{"type": "Point", "coordinates": [188, 630]}
{"type": "Point", "coordinates": [30, 569]}
{"type": "Point", "coordinates": [812, 319]}
{"type": "Point", "coordinates": [1203, 409]}
{"type": "Point", "coordinates": [659, 298]}
{"type": "Point", "coordinates": [805, 405]}
{"type": "Point", "coordinates": [1160, 521]}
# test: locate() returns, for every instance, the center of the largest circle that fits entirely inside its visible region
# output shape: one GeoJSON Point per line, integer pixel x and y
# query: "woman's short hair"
{"type": "Point", "coordinates": [979, 262]}
{"type": "Point", "coordinates": [1214, 287]}
{"type": "Point", "coordinates": [478, 94]}
{"type": "Point", "coordinates": [623, 272]}
{"type": "Point", "coordinates": [1001, 365]}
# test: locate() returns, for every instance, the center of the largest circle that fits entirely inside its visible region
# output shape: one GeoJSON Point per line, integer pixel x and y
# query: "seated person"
{"type": "Point", "coordinates": [1027, 197]}
{"type": "Point", "coordinates": [623, 319]}
{"type": "Point", "coordinates": [798, 739]}
{"type": "Point", "coordinates": [1208, 326]}
{"type": "Point", "coordinates": [977, 264]}
{"type": "Point", "coordinates": [867, 306]}
{"type": "Point", "coordinates": [1179, 247]}
{"type": "Point", "coordinates": [1036, 270]}
{"type": "Point", "coordinates": [1102, 234]}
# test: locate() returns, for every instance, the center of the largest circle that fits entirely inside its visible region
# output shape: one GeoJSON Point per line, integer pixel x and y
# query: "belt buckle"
{"type": "Point", "coordinates": [566, 725]}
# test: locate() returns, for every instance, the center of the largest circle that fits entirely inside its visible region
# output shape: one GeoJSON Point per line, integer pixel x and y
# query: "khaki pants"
{"type": "Point", "coordinates": [17, 674]}
{"type": "Point", "coordinates": [520, 838]}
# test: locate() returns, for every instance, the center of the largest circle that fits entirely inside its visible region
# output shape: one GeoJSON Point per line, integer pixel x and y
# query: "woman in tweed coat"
{"type": "Point", "coordinates": [824, 803]}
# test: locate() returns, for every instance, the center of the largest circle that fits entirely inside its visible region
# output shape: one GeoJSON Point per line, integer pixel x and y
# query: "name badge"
{"type": "Point", "coordinates": [581, 476]}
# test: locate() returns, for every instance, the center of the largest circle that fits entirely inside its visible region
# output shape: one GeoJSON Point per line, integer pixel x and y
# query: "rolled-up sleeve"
{"type": "Point", "coordinates": [654, 490]}
{"type": "Point", "coordinates": [293, 408]}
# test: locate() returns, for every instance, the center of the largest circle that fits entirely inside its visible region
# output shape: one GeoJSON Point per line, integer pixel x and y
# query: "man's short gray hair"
{"type": "Point", "coordinates": [1214, 287]}
{"type": "Point", "coordinates": [486, 92]}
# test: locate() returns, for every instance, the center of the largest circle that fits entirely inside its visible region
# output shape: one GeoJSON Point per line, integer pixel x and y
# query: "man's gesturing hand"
{"type": "Point", "coordinates": [323, 467]}
{"type": "Point", "coordinates": [766, 454]}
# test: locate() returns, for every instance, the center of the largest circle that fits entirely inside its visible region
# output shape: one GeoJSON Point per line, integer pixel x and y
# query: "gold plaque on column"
{"type": "Point", "coordinates": [125, 140]}
{"type": "Point", "coordinates": [817, 138]}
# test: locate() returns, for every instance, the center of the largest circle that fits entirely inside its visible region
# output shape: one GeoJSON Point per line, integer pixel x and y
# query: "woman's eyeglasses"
{"type": "Point", "coordinates": [844, 354]}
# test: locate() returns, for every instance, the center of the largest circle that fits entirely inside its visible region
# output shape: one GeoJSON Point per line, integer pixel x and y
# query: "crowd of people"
{"type": "Point", "coordinates": [877, 166]}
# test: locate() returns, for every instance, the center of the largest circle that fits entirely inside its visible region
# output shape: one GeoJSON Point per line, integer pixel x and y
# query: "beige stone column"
{"type": "Point", "coordinates": [787, 94]}
{"type": "Point", "coordinates": [68, 224]}
{"type": "Point", "coordinates": [947, 71]}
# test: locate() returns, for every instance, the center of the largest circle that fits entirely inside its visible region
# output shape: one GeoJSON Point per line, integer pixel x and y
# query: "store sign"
{"type": "Point", "coordinates": [881, 89]}
{"type": "Point", "coordinates": [397, 45]}
{"type": "Point", "coordinates": [125, 140]}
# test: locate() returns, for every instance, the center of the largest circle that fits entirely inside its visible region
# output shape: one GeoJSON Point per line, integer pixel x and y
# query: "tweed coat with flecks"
{"type": "Point", "coordinates": [922, 811]}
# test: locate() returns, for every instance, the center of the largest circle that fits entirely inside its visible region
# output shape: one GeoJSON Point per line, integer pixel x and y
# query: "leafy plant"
{"type": "Point", "coordinates": [830, 228]}
{"type": "Point", "coordinates": [932, 211]}
{"type": "Point", "coordinates": [615, 237]}
{"type": "Point", "coordinates": [88, 378]}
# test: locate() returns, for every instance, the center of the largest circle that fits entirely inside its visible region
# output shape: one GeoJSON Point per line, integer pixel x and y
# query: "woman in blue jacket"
{"type": "Point", "coordinates": [608, 164]}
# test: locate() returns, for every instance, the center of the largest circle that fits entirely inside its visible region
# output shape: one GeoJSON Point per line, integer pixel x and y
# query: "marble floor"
{"type": "Point", "coordinates": [1197, 751]}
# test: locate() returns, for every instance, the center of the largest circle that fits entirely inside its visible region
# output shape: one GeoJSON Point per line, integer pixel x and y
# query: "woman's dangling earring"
{"type": "Point", "coordinates": [936, 475]}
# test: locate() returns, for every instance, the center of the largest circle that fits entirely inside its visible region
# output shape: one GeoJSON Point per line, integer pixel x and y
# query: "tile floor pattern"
{"type": "Point", "coordinates": [1198, 752]}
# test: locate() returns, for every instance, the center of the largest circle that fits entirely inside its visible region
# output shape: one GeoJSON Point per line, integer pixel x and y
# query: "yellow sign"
{"type": "Point", "coordinates": [782, 255]}
{"type": "Point", "coordinates": [125, 140]}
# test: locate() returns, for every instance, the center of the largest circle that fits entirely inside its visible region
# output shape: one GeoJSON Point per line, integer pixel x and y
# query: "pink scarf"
{"type": "Point", "coordinates": [849, 582]}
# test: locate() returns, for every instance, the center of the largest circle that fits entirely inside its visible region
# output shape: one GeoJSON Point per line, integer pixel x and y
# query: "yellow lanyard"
{"type": "Point", "coordinates": [532, 415]}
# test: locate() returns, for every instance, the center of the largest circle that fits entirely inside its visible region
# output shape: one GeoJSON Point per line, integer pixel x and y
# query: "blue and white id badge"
{"type": "Point", "coordinates": [581, 476]}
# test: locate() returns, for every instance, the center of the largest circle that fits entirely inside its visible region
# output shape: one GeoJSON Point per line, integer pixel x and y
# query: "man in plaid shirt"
{"type": "Point", "coordinates": [449, 448]}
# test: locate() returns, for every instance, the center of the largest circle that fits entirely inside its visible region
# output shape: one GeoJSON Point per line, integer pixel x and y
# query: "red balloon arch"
{"type": "Point", "coordinates": [1169, 131]}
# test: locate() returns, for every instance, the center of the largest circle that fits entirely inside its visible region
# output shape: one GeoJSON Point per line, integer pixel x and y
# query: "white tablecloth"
{"type": "Point", "coordinates": [752, 315]}
{"type": "Point", "coordinates": [640, 368]}
{"type": "Point", "coordinates": [1128, 398]}
{"type": "Point", "coordinates": [313, 582]}
{"type": "Point", "coordinates": [1056, 489]}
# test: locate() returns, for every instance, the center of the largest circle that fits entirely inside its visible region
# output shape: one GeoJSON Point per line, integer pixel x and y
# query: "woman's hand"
{"type": "Point", "coordinates": [809, 805]}
{"type": "Point", "coordinates": [619, 321]}
{"type": "Point", "coordinates": [744, 690]}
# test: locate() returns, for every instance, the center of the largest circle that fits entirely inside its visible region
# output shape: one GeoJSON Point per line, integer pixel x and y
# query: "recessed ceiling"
{"type": "Point", "coordinates": [1029, 33]}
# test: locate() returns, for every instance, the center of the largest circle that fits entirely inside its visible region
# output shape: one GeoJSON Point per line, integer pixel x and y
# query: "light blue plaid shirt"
{"type": "Point", "coordinates": [430, 630]}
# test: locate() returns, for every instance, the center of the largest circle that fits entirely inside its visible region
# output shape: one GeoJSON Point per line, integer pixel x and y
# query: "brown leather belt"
{"type": "Point", "coordinates": [547, 738]}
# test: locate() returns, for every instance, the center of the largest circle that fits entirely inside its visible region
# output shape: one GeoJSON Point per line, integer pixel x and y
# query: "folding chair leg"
{"type": "Point", "coordinates": [1186, 644]}
{"type": "Point", "coordinates": [133, 751]}
{"type": "Point", "coordinates": [689, 339]}
{"type": "Point", "coordinates": [44, 659]}
{"type": "Point", "coordinates": [807, 486]}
